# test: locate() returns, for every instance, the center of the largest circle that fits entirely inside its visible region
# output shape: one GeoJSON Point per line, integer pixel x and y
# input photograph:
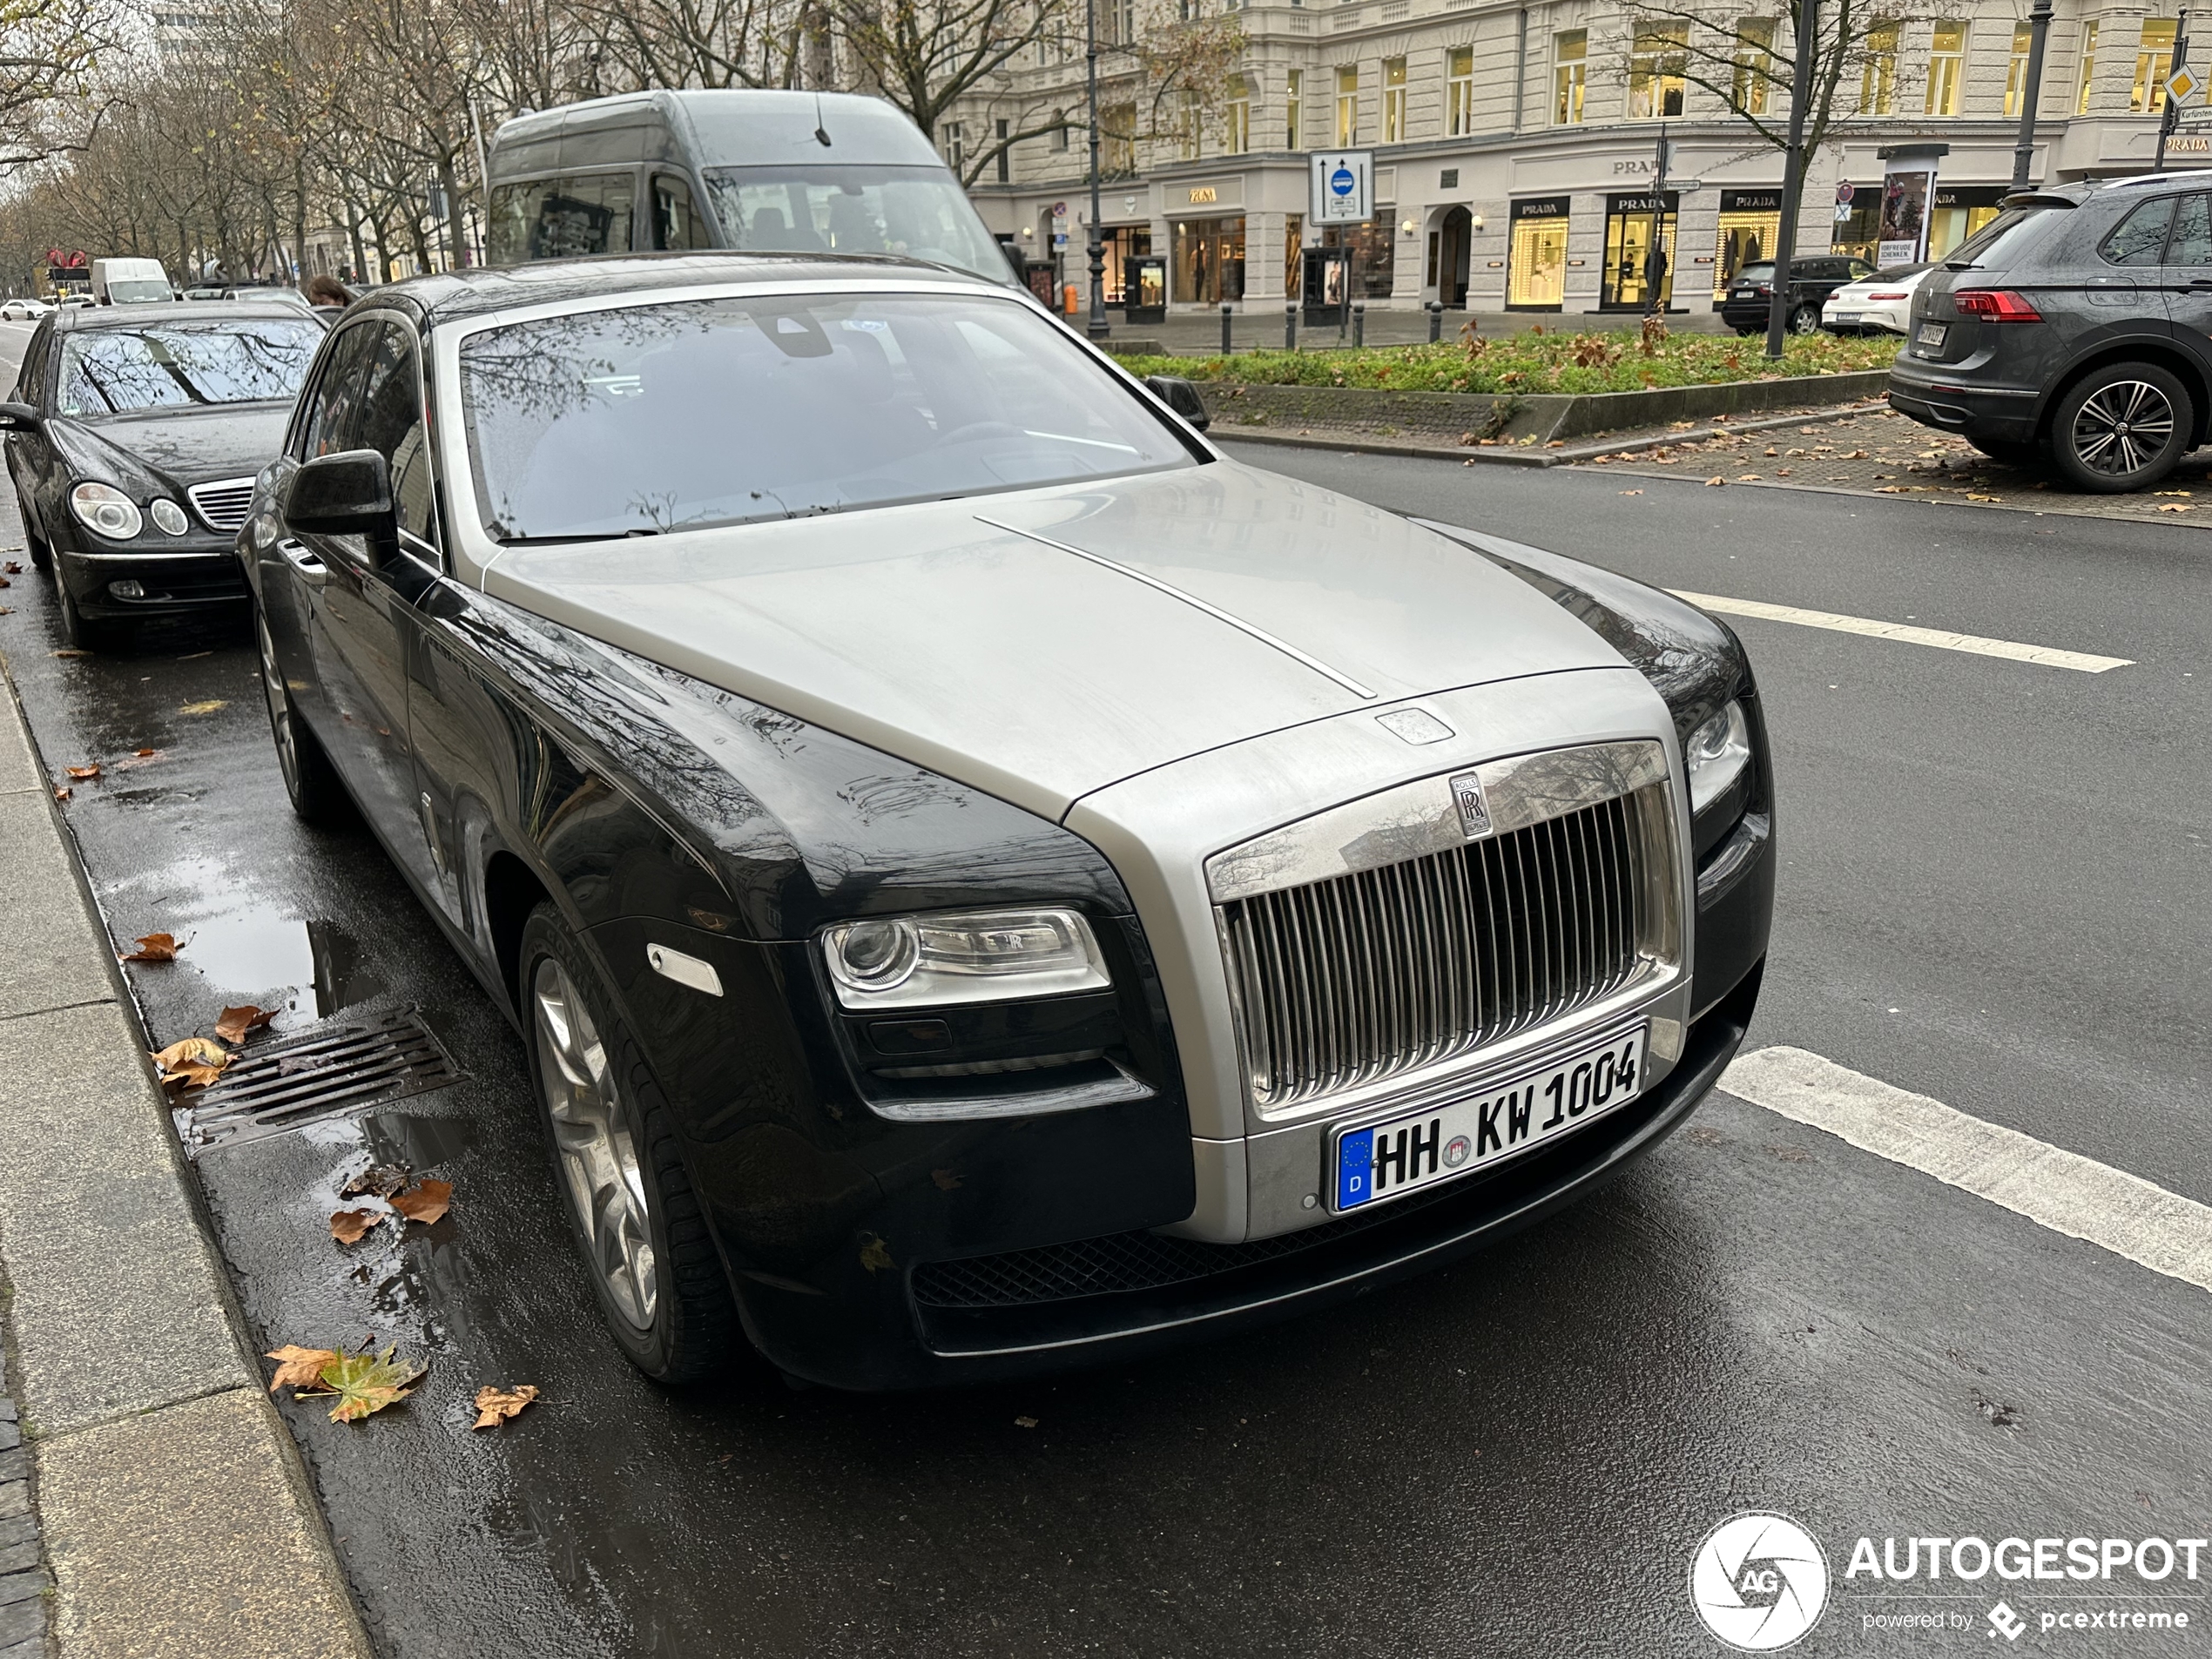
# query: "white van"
{"type": "Point", "coordinates": [130, 282]}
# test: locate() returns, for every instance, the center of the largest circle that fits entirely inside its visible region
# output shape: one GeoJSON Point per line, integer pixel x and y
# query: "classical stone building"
{"type": "Point", "coordinates": [1514, 147]}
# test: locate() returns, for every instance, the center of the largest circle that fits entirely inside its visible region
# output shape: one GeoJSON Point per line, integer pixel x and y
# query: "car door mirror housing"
{"type": "Point", "coordinates": [18, 417]}
{"type": "Point", "coordinates": [346, 493]}
{"type": "Point", "coordinates": [1182, 396]}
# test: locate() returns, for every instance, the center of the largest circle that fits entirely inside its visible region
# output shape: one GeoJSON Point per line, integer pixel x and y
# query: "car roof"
{"type": "Point", "coordinates": [78, 319]}
{"type": "Point", "coordinates": [455, 295]}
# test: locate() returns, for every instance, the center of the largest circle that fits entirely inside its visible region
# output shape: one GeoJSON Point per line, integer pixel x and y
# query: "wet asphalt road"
{"type": "Point", "coordinates": [1995, 893]}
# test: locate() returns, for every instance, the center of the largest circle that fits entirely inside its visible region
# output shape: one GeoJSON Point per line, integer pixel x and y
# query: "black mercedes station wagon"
{"type": "Point", "coordinates": [986, 879]}
{"type": "Point", "coordinates": [2077, 325]}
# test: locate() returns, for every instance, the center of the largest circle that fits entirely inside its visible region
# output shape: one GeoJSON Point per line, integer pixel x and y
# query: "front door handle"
{"type": "Point", "coordinates": [302, 559]}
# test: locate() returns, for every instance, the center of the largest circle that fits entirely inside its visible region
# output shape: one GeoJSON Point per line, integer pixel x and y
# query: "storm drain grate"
{"type": "Point", "coordinates": [326, 1071]}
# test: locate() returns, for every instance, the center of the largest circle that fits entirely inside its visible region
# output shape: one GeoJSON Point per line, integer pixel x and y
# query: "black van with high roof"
{"type": "Point", "coordinates": [767, 171]}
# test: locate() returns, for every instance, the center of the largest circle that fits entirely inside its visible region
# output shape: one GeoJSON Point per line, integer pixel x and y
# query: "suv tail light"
{"type": "Point", "coordinates": [1995, 305]}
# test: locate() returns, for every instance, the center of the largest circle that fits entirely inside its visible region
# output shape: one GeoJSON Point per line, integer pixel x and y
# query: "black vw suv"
{"type": "Point", "coordinates": [2076, 324]}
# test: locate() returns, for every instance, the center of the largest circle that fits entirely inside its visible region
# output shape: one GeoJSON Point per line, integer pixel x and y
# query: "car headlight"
{"type": "Point", "coordinates": [962, 956]}
{"type": "Point", "coordinates": [1715, 755]}
{"type": "Point", "coordinates": [105, 511]}
{"type": "Point", "coordinates": [168, 518]}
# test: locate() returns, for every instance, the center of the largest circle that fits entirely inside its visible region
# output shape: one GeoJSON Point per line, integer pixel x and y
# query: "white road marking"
{"type": "Point", "coordinates": [2052, 1187]}
{"type": "Point", "coordinates": [2048, 655]}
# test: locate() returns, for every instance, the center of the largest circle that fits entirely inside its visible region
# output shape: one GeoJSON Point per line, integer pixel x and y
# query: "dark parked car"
{"type": "Point", "coordinates": [2075, 325]}
{"type": "Point", "coordinates": [133, 441]}
{"type": "Point", "coordinates": [1812, 280]}
{"type": "Point", "coordinates": [987, 881]}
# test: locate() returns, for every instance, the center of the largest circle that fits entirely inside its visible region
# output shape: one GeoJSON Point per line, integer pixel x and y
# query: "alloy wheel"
{"type": "Point", "coordinates": [2122, 428]}
{"type": "Point", "coordinates": [598, 1156]}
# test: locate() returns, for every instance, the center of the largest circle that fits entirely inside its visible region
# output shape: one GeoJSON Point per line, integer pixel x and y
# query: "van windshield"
{"type": "Point", "coordinates": [640, 420]}
{"type": "Point", "coordinates": [916, 212]}
{"type": "Point", "coordinates": [132, 290]}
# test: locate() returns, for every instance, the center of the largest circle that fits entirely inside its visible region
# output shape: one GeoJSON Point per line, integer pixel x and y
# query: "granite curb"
{"type": "Point", "coordinates": [151, 1501]}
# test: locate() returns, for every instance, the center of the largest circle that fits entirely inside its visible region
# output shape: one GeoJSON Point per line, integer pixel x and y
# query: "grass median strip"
{"type": "Point", "coordinates": [1943, 639]}
{"type": "Point", "coordinates": [2052, 1187]}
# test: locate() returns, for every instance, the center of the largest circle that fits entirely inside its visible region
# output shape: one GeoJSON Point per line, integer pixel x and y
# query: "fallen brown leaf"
{"type": "Point", "coordinates": [206, 707]}
{"type": "Point", "coordinates": [70, 651]}
{"type": "Point", "coordinates": [382, 1179]}
{"type": "Point", "coordinates": [1974, 497]}
{"type": "Point", "coordinates": [875, 1255]}
{"type": "Point", "coordinates": [62, 792]}
{"type": "Point", "coordinates": [145, 754]}
{"type": "Point", "coordinates": [1715, 483]}
{"type": "Point", "coordinates": [426, 1201]}
{"type": "Point", "coordinates": [193, 1062]}
{"type": "Point", "coordinates": [235, 1023]}
{"type": "Point", "coordinates": [1025, 1422]}
{"type": "Point", "coordinates": [351, 1226]}
{"type": "Point", "coordinates": [1632, 492]}
{"type": "Point", "coordinates": [83, 774]}
{"type": "Point", "coordinates": [154, 948]}
{"type": "Point", "coordinates": [496, 1406]}
{"type": "Point", "coordinates": [2173, 506]}
{"type": "Point", "coordinates": [12, 567]}
{"type": "Point", "coordinates": [945, 1179]}
{"type": "Point", "coordinates": [300, 1367]}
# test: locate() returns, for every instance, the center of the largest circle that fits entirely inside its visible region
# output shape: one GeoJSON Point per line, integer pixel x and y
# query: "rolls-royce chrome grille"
{"type": "Point", "coordinates": [1360, 976]}
{"type": "Point", "coordinates": [223, 505]}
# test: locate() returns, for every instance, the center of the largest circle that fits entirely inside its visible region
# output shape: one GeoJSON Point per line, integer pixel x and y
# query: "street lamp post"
{"type": "Point", "coordinates": [1793, 172]}
{"type": "Point", "coordinates": [1097, 328]}
{"type": "Point", "coordinates": [2039, 24]}
{"type": "Point", "coordinates": [2171, 117]}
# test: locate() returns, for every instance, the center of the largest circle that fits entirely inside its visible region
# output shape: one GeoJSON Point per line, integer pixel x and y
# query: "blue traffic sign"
{"type": "Point", "coordinates": [1341, 181]}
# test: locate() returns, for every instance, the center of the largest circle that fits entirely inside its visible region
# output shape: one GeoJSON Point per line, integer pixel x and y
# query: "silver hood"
{"type": "Point", "coordinates": [1044, 644]}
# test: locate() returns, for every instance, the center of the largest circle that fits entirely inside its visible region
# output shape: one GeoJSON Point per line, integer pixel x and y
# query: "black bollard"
{"type": "Point", "coordinates": [1289, 326]}
{"type": "Point", "coordinates": [1226, 346]}
{"type": "Point", "coordinates": [1435, 320]}
{"type": "Point", "coordinates": [1359, 324]}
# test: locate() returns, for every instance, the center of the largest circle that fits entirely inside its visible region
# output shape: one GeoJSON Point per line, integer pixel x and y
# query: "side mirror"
{"type": "Point", "coordinates": [18, 417]}
{"type": "Point", "coordinates": [348, 493]}
{"type": "Point", "coordinates": [1181, 396]}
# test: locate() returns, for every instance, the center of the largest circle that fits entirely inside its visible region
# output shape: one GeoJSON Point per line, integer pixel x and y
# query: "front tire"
{"type": "Point", "coordinates": [2121, 427]}
{"type": "Point", "coordinates": [641, 1229]}
{"type": "Point", "coordinates": [318, 795]}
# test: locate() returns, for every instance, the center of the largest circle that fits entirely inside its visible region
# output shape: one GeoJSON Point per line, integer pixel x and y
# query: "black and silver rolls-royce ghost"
{"type": "Point", "coordinates": [986, 880]}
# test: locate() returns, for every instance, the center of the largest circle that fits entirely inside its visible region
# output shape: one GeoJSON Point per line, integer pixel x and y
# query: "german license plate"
{"type": "Point", "coordinates": [1842, 316]}
{"type": "Point", "coordinates": [1929, 336]}
{"type": "Point", "coordinates": [1387, 1160]}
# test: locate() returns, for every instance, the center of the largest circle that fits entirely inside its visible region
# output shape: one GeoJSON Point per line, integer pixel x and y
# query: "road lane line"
{"type": "Point", "coordinates": [2052, 1187]}
{"type": "Point", "coordinates": [2048, 655]}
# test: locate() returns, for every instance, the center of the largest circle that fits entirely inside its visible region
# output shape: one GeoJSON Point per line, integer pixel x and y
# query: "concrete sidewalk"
{"type": "Point", "coordinates": [156, 1505]}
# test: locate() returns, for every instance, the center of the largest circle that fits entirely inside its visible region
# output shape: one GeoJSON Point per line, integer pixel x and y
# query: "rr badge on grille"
{"type": "Point", "coordinates": [1474, 817]}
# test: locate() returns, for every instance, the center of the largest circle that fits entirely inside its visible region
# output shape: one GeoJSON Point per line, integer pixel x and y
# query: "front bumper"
{"type": "Point", "coordinates": [183, 575]}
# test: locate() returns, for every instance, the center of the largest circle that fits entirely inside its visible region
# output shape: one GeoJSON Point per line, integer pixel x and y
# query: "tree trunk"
{"type": "Point", "coordinates": [450, 183]}
{"type": "Point", "coordinates": [353, 236]}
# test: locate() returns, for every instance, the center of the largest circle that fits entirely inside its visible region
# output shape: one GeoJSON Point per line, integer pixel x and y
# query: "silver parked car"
{"type": "Point", "coordinates": [985, 880]}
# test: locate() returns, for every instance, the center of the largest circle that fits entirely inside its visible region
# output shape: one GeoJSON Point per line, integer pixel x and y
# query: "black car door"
{"type": "Point", "coordinates": [30, 455]}
{"type": "Point", "coordinates": [364, 623]}
{"type": "Point", "coordinates": [292, 571]}
{"type": "Point", "coordinates": [2187, 275]}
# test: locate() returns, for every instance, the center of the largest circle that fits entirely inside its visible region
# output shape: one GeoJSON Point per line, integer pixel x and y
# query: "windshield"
{"type": "Point", "coordinates": [1998, 241]}
{"type": "Point", "coordinates": [136, 291]}
{"type": "Point", "coordinates": [114, 371]}
{"type": "Point", "coordinates": [675, 416]}
{"type": "Point", "coordinates": [1762, 272]}
{"type": "Point", "coordinates": [918, 211]}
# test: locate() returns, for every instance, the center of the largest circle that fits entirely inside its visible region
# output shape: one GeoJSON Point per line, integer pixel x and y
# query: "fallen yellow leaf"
{"type": "Point", "coordinates": [235, 1023]}
{"type": "Point", "coordinates": [351, 1226]}
{"type": "Point", "coordinates": [207, 707]}
{"type": "Point", "coordinates": [364, 1383]}
{"type": "Point", "coordinates": [1632, 492]}
{"type": "Point", "coordinates": [2173, 506]}
{"type": "Point", "coordinates": [496, 1406]}
{"type": "Point", "coordinates": [1715, 483]}
{"type": "Point", "coordinates": [193, 1062]}
{"type": "Point", "coordinates": [1973, 497]}
{"type": "Point", "coordinates": [301, 1367]}
{"type": "Point", "coordinates": [426, 1201]}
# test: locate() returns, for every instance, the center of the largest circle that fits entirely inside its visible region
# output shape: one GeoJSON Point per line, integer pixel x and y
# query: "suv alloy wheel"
{"type": "Point", "coordinates": [2121, 427]}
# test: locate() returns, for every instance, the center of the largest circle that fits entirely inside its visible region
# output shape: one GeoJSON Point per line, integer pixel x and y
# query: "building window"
{"type": "Point", "coordinates": [1237, 135]}
{"type": "Point", "coordinates": [1120, 21]}
{"type": "Point", "coordinates": [1878, 72]}
{"type": "Point", "coordinates": [1458, 92]}
{"type": "Point", "coordinates": [1570, 59]}
{"type": "Point", "coordinates": [1293, 109]}
{"type": "Point", "coordinates": [1117, 139]}
{"type": "Point", "coordinates": [1656, 68]}
{"type": "Point", "coordinates": [1209, 255]}
{"type": "Point", "coordinates": [1187, 128]}
{"type": "Point", "coordinates": [955, 147]}
{"type": "Point", "coordinates": [2154, 62]}
{"type": "Point", "coordinates": [2016, 73]}
{"type": "Point", "coordinates": [1060, 131]}
{"type": "Point", "coordinates": [1005, 163]}
{"type": "Point", "coordinates": [1347, 106]}
{"type": "Point", "coordinates": [1630, 222]}
{"type": "Point", "coordinates": [1393, 100]}
{"type": "Point", "coordinates": [1536, 257]}
{"type": "Point", "coordinates": [1946, 67]}
{"type": "Point", "coordinates": [2088, 67]}
{"type": "Point", "coordinates": [1754, 65]}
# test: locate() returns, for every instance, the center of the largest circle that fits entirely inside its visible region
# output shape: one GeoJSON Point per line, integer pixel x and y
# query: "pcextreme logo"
{"type": "Point", "coordinates": [1759, 1581]}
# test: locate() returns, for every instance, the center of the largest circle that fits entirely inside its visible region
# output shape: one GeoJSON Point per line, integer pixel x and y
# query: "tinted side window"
{"type": "Point", "coordinates": [337, 395]}
{"type": "Point", "coordinates": [561, 219]}
{"type": "Point", "coordinates": [2191, 242]}
{"type": "Point", "coordinates": [391, 424]}
{"type": "Point", "coordinates": [676, 221]}
{"type": "Point", "coordinates": [2140, 238]}
{"type": "Point", "coordinates": [30, 381]}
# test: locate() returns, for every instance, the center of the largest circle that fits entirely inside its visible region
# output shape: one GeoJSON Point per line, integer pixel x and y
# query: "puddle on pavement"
{"type": "Point", "coordinates": [253, 954]}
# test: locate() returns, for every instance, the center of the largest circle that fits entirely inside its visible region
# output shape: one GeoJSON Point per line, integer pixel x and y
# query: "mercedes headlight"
{"type": "Point", "coordinates": [1715, 755]}
{"type": "Point", "coordinates": [105, 511]}
{"type": "Point", "coordinates": [168, 518]}
{"type": "Point", "coordinates": [962, 956]}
